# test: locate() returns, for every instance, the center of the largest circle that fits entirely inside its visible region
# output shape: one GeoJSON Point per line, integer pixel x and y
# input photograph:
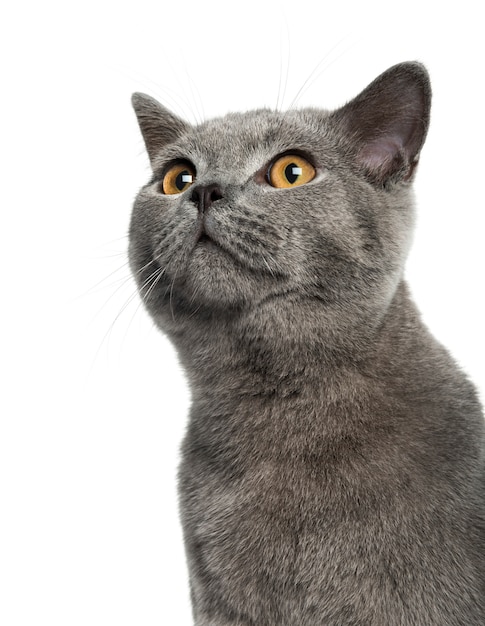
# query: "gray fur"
{"type": "Point", "coordinates": [333, 466]}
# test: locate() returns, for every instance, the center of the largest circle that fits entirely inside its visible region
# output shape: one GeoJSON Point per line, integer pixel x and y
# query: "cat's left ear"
{"type": "Point", "coordinates": [385, 126]}
{"type": "Point", "coordinates": [158, 125]}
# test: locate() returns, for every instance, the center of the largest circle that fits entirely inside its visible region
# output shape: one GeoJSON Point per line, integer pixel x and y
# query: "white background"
{"type": "Point", "coordinates": [93, 401]}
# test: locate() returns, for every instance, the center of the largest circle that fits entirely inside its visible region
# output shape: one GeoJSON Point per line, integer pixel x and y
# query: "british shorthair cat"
{"type": "Point", "coordinates": [333, 468]}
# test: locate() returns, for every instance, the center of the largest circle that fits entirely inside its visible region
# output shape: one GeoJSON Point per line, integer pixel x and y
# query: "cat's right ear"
{"type": "Point", "coordinates": [158, 125]}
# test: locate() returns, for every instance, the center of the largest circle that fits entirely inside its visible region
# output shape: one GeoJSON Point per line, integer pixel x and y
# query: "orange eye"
{"type": "Point", "coordinates": [290, 170]}
{"type": "Point", "coordinates": [178, 178]}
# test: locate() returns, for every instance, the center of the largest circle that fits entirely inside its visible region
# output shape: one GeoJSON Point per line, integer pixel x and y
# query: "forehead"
{"type": "Point", "coordinates": [245, 141]}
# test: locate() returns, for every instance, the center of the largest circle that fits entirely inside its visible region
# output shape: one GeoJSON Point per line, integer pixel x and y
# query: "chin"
{"type": "Point", "coordinates": [213, 279]}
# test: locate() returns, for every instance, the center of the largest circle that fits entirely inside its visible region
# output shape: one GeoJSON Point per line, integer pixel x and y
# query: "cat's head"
{"type": "Point", "coordinates": [306, 204]}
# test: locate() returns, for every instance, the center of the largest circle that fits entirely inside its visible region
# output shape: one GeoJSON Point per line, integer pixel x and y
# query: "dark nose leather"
{"type": "Point", "coordinates": [204, 196]}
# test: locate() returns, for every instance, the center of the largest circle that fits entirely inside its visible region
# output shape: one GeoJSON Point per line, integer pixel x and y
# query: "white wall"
{"type": "Point", "coordinates": [93, 401]}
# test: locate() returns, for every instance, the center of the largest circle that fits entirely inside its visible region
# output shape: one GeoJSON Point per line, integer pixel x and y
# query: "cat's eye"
{"type": "Point", "coordinates": [178, 178]}
{"type": "Point", "coordinates": [290, 170]}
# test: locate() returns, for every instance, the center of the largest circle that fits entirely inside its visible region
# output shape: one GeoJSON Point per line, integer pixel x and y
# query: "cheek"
{"type": "Point", "coordinates": [310, 229]}
{"type": "Point", "coordinates": [166, 223]}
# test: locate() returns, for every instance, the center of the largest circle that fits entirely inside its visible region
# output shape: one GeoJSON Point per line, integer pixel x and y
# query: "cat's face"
{"type": "Point", "coordinates": [259, 205]}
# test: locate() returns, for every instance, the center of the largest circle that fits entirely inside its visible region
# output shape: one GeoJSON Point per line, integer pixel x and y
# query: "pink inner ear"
{"type": "Point", "coordinates": [378, 155]}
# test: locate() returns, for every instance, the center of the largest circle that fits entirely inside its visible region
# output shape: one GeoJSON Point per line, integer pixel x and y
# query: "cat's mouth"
{"type": "Point", "coordinates": [203, 238]}
{"type": "Point", "coordinates": [210, 244]}
{"type": "Point", "coordinates": [206, 242]}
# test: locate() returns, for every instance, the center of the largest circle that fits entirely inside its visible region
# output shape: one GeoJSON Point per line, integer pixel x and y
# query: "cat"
{"type": "Point", "coordinates": [333, 468]}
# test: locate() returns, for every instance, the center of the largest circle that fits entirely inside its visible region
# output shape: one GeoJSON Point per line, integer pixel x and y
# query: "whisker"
{"type": "Point", "coordinates": [154, 278]}
{"type": "Point", "coordinates": [196, 97]}
{"type": "Point", "coordinates": [280, 103]}
{"type": "Point", "coordinates": [106, 337]}
{"type": "Point", "coordinates": [322, 66]}
{"type": "Point", "coordinates": [116, 240]}
{"type": "Point", "coordinates": [123, 281]}
{"type": "Point", "coordinates": [267, 264]}
{"type": "Point", "coordinates": [171, 98]}
{"type": "Point", "coordinates": [128, 302]}
{"type": "Point", "coordinates": [171, 296]}
{"type": "Point", "coordinates": [188, 104]}
{"type": "Point", "coordinates": [103, 280]}
{"type": "Point", "coordinates": [133, 296]}
{"type": "Point", "coordinates": [195, 311]}
{"type": "Point", "coordinates": [192, 301]}
{"type": "Point", "coordinates": [276, 266]}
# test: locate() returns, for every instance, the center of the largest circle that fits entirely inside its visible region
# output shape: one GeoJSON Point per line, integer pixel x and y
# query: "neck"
{"type": "Point", "coordinates": [279, 347]}
{"type": "Point", "coordinates": [261, 393]}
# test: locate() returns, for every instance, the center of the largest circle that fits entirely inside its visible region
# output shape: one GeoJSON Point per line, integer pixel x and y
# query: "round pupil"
{"type": "Point", "coordinates": [182, 179]}
{"type": "Point", "coordinates": [292, 172]}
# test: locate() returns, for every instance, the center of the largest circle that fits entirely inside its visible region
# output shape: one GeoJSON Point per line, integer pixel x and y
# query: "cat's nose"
{"type": "Point", "coordinates": [204, 196]}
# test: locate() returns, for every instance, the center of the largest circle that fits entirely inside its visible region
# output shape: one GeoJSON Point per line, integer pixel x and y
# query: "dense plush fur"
{"type": "Point", "coordinates": [333, 467]}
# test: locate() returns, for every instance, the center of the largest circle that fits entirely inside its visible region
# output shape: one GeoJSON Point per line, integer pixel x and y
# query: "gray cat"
{"type": "Point", "coordinates": [333, 469]}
